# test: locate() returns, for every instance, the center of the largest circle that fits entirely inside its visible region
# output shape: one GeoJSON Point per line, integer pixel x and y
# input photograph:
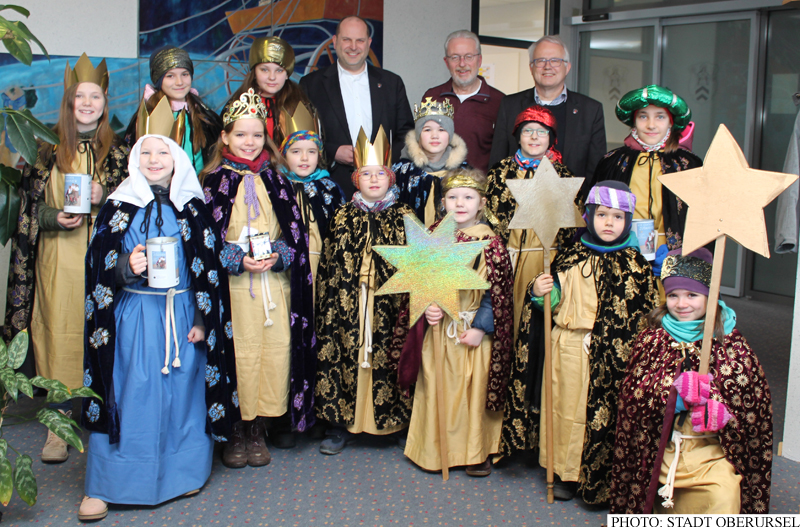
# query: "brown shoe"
{"type": "Point", "coordinates": [55, 448]}
{"type": "Point", "coordinates": [257, 451]}
{"type": "Point", "coordinates": [481, 470]}
{"type": "Point", "coordinates": [92, 509]}
{"type": "Point", "coordinates": [234, 453]}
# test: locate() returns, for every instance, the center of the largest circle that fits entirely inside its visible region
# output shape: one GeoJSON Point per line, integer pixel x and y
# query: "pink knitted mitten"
{"type": "Point", "coordinates": [711, 417]}
{"type": "Point", "coordinates": [693, 387]}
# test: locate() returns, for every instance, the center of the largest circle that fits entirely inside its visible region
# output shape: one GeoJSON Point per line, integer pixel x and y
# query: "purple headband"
{"type": "Point", "coordinates": [612, 198]}
{"type": "Point", "coordinates": [301, 135]}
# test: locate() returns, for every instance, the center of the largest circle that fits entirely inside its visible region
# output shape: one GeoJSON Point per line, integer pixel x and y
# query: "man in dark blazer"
{"type": "Point", "coordinates": [351, 94]}
{"type": "Point", "coordinates": [581, 132]}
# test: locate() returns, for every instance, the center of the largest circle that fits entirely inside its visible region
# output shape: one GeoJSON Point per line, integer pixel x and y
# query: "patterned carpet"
{"type": "Point", "coordinates": [371, 482]}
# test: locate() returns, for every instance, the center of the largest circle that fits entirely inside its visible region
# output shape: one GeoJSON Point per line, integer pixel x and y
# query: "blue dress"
{"type": "Point", "coordinates": [164, 450]}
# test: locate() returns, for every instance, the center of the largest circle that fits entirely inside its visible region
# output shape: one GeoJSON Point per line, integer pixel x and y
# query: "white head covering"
{"type": "Point", "coordinates": [183, 187]}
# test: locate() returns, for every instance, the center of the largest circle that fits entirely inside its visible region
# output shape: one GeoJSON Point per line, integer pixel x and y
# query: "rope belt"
{"type": "Point", "coordinates": [367, 326]}
{"type": "Point", "coordinates": [266, 298]}
{"type": "Point", "coordinates": [466, 317]}
{"type": "Point", "coordinates": [312, 252]}
{"type": "Point", "coordinates": [667, 490]}
{"type": "Point", "coordinates": [169, 315]}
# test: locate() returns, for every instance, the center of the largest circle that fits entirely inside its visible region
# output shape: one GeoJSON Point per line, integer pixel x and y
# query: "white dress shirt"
{"type": "Point", "coordinates": [357, 101]}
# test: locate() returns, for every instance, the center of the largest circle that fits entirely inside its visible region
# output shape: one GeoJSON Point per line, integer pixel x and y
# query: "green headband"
{"type": "Point", "coordinates": [658, 96]}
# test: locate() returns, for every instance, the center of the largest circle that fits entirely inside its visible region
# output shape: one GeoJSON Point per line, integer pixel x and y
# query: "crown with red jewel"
{"type": "Point", "coordinates": [248, 106]}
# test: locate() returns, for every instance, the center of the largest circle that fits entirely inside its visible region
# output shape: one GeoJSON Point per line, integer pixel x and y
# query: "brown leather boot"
{"type": "Point", "coordinates": [234, 453]}
{"type": "Point", "coordinates": [257, 451]}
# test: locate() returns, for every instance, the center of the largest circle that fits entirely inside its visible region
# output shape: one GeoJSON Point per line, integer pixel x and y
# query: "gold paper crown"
{"type": "Point", "coordinates": [248, 106]}
{"type": "Point", "coordinates": [375, 154]}
{"type": "Point", "coordinates": [462, 181]}
{"type": "Point", "coordinates": [161, 121]}
{"type": "Point", "coordinates": [430, 107]}
{"type": "Point", "coordinates": [301, 120]}
{"type": "Point", "coordinates": [85, 72]}
{"type": "Point", "coordinates": [272, 49]}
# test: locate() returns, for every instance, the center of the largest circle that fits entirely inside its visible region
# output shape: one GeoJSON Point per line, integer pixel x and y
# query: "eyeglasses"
{"type": "Point", "coordinates": [554, 63]}
{"type": "Point", "coordinates": [456, 59]}
{"type": "Point", "coordinates": [541, 132]}
{"type": "Point", "coordinates": [380, 176]}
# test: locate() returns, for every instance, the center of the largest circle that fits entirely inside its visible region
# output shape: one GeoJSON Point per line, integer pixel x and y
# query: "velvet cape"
{"type": "Point", "coordinates": [210, 287]}
{"type": "Point", "coordinates": [24, 241]}
{"type": "Point", "coordinates": [220, 188]}
{"type": "Point", "coordinates": [352, 233]}
{"type": "Point", "coordinates": [323, 196]}
{"type": "Point", "coordinates": [626, 292]}
{"type": "Point", "coordinates": [739, 382]}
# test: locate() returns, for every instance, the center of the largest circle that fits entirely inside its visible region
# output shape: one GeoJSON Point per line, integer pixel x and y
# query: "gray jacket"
{"type": "Point", "coordinates": [787, 217]}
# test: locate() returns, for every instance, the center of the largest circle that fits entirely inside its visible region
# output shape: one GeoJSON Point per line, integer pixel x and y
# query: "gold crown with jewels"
{"type": "Point", "coordinates": [248, 106]}
{"type": "Point", "coordinates": [430, 107]}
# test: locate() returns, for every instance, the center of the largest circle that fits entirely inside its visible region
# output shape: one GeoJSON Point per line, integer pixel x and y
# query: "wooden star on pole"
{"type": "Point", "coordinates": [545, 203]}
{"type": "Point", "coordinates": [726, 197]}
{"type": "Point", "coordinates": [433, 267]}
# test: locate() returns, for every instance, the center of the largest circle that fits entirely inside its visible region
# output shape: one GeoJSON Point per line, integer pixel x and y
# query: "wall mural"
{"type": "Point", "coordinates": [216, 33]}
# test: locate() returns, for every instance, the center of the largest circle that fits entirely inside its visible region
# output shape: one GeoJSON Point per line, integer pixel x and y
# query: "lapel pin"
{"type": "Point", "coordinates": [574, 110]}
{"type": "Point", "coordinates": [379, 85]}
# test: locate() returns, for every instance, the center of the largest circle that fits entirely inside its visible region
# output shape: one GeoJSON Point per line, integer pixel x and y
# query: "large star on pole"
{"type": "Point", "coordinates": [432, 267]}
{"type": "Point", "coordinates": [726, 196]}
{"type": "Point", "coordinates": [545, 203]}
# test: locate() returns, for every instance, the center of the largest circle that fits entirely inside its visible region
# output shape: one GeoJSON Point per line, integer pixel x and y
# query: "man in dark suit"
{"type": "Point", "coordinates": [350, 94]}
{"type": "Point", "coordinates": [581, 132]}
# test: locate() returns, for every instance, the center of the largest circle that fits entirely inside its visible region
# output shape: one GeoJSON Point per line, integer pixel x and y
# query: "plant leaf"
{"type": "Point", "coordinates": [3, 355]}
{"type": "Point", "coordinates": [27, 35]}
{"type": "Point", "coordinates": [19, 49]}
{"type": "Point", "coordinates": [24, 385]}
{"type": "Point", "coordinates": [3, 447]}
{"type": "Point", "coordinates": [21, 10]}
{"type": "Point", "coordinates": [41, 130]}
{"type": "Point", "coordinates": [12, 176]}
{"type": "Point", "coordinates": [10, 203]}
{"type": "Point", "coordinates": [60, 425]}
{"type": "Point", "coordinates": [58, 396]}
{"type": "Point", "coordinates": [84, 391]}
{"type": "Point", "coordinates": [18, 349]}
{"type": "Point", "coordinates": [22, 137]}
{"type": "Point", "coordinates": [24, 480]}
{"type": "Point", "coordinates": [49, 384]}
{"type": "Point", "coordinates": [9, 381]}
{"type": "Point", "coordinates": [6, 481]}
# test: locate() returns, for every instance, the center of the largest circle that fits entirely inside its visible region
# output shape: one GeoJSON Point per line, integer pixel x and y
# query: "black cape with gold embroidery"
{"type": "Point", "coordinates": [21, 278]}
{"type": "Point", "coordinates": [352, 233]}
{"type": "Point", "coordinates": [626, 292]}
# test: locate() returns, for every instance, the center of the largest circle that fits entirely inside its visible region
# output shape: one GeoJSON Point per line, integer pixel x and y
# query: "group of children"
{"type": "Point", "coordinates": [296, 340]}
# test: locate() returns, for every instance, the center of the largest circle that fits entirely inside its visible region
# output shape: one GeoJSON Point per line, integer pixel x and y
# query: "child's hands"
{"type": "Point", "coordinates": [138, 260]}
{"type": "Point", "coordinates": [261, 266]}
{"type": "Point", "coordinates": [68, 221]}
{"type": "Point", "coordinates": [472, 337]}
{"type": "Point", "coordinates": [197, 334]}
{"type": "Point", "coordinates": [543, 285]}
{"type": "Point", "coordinates": [433, 314]}
{"type": "Point", "coordinates": [693, 387]}
{"type": "Point", "coordinates": [710, 417]}
{"type": "Point", "coordinates": [97, 193]}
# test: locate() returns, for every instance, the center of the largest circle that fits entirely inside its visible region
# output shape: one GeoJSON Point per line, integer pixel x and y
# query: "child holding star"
{"type": "Point", "coordinates": [477, 348]}
{"type": "Point", "coordinates": [600, 290]}
{"type": "Point", "coordinates": [722, 420]}
{"type": "Point", "coordinates": [359, 335]}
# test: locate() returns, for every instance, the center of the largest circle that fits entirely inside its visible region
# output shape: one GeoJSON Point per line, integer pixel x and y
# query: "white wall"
{"type": "Point", "coordinates": [413, 34]}
{"type": "Point", "coordinates": [101, 28]}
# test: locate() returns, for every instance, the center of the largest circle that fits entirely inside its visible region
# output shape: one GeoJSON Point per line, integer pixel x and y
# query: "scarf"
{"type": "Point", "coordinates": [319, 173]}
{"type": "Point", "coordinates": [388, 200]}
{"type": "Point", "coordinates": [526, 162]}
{"type": "Point", "coordinates": [692, 330]}
{"type": "Point", "coordinates": [630, 241]}
{"type": "Point", "coordinates": [651, 148]}
{"type": "Point", "coordinates": [255, 166]}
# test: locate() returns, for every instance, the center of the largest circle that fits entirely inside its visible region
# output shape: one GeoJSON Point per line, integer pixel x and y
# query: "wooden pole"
{"type": "Point", "coordinates": [438, 359]}
{"type": "Point", "coordinates": [548, 382]}
{"type": "Point", "coordinates": [712, 306]}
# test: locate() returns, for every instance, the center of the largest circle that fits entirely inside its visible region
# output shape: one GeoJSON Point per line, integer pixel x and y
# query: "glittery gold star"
{"type": "Point", "coordinates": [433, 267]}
{"type": "Point", "coordinates": [545, 203]}
{"type": "Point", "coordinates": [726, 196]}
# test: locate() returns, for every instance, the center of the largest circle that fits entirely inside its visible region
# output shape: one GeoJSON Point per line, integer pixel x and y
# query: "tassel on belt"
{"type": "Point", "coordinates": [367, 325]}
{"type": "Point", "coordinates": [466, 317]}
{"type": "Point", "coordinates": [667, 490]}
{"type": "Point", "coordinates": [169, 315]}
